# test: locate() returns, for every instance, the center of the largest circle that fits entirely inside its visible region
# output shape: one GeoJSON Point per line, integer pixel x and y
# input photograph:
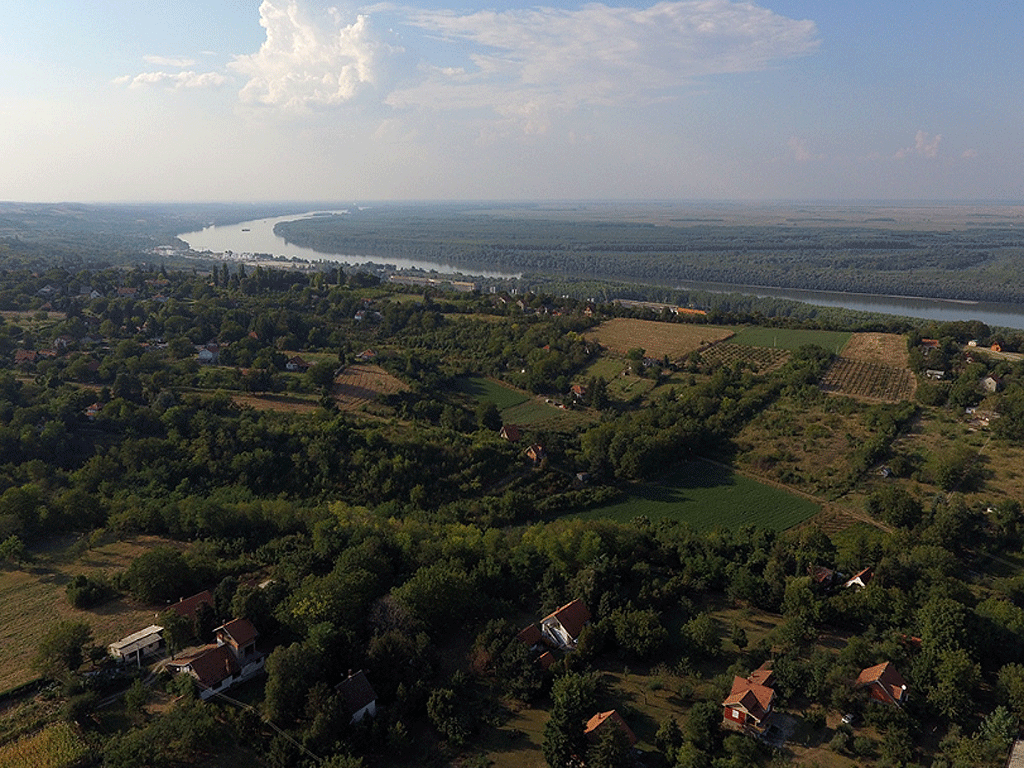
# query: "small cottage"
{"type": "Point", "coordinates": [749, 704]}
{"type": "Point", "coordinates": [884, 684]}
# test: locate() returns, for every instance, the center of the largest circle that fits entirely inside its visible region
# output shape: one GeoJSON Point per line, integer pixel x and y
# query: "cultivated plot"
{"type": "Point", "coordinates": [676, 340]}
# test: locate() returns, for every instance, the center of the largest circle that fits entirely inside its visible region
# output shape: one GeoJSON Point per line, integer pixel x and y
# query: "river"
{"type": "Point", "coordinates": [257, 236]}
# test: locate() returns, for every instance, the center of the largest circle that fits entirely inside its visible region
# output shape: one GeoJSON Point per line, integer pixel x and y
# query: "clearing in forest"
{"type": "Point", "coordinates": [676, 340]}
{"type": "Point", "coordinates": [359, 385]}
{"type": "Point", "coordinates": [707, 496]}
{"type": "Point", "coordinates": [33, 600]}
{"type": "Point", "coordinates": [484, 390]}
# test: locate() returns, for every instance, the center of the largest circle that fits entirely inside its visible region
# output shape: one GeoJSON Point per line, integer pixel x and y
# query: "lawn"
{"type": "Point", "coordinates": [707, 496]}
{"type": "Point", "coordinates": [534, 411]}
{"type": "Point", "coordinates": [786, 338]}
{"type": "Point", "coordinates": [489, 391]}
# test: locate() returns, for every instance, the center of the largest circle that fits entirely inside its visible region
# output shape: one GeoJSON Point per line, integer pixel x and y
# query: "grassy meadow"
{"type": "Point", "coordinates": [791, 339]}
{"type": "Point", "coordinates": [707, 496]}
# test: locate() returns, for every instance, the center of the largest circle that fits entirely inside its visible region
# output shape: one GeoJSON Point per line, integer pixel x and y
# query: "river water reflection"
{"type": "Point", "coordinates": [258, 236]}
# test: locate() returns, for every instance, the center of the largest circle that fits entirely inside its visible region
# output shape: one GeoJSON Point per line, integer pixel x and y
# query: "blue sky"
{"type": "Point", "coordinates": [197, 100]}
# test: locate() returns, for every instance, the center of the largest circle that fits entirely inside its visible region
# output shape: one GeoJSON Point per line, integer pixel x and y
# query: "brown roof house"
{"type": "Point", "coordinates": [232, 660]}
{"type": "Point", "coordinates": [563, 627]}
{"type": "Point", "coordinates": [510, 432]}
{"type": "Point", "coordinates": [188, 607]}
{"type": "Point", "coordinates": [749, 703]}
{"type": "Point", "coordinates": [602, 721]}
{"type": "Point", "coordinates": [359, 697]}
{"type": "Point", "coordinates": [884, 683]}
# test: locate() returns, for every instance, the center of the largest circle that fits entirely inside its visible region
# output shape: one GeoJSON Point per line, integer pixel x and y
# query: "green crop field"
{"type": "Point", "coordinates": [785, 338]}
{"type": "Point", "coordinates": [707, 496]}
{"type": "Point", "coordinates": [486, 391]}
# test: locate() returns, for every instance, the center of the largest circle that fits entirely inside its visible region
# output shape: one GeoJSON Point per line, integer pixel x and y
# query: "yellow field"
{"type": "Point", "coordinates": [880, 348]}
{"type": "Point", "coordinates": [657, 339]}
{"type": "Point", "coordinates": [358, 385]}
{"type": "Point", "coordinates": [32, 600]}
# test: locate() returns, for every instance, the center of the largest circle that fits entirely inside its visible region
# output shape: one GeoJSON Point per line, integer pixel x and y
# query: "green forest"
{"type": "Point", "coordinates": [334, 461]}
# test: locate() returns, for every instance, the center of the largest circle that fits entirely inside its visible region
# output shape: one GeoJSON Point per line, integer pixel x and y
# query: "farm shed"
{"type": "Point", "coordinates": [138, 645]}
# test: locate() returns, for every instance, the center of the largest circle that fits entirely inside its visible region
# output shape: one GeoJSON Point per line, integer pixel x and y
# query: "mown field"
{"type": "Point", "coordinates": [484, 390]}
{"type": "Point", "coordinates": [359, 385]}
{"type": "Point", "coordinates": [32, 600]}
{"type": "Point", "coordinates": [791, 339]}
{"type": "Point", "coordinates": [707, 496]}
{"type": "Point", "coordinates": [676, 340]}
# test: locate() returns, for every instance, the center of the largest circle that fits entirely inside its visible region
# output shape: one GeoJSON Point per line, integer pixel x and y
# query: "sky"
{"type": "Point", "coordinates": [295, 100]}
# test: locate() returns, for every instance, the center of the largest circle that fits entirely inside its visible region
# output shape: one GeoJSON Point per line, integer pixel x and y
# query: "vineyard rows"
{"type": "Point", "coordinates": [760, 359]}
{"type": "Point", "coordinates": [863, 379]}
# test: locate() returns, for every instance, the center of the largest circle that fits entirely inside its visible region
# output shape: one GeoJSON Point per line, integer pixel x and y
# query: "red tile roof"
{"type": "Point", "coordinates": [598, 721]}
{"type": "Point", "coordinates": [572, 616]}
{"type": "Point", "coordinates": [240, 631]}
{"type": "Point", "coordinates": [211, 665]}
{"type": "Point", "coordinates": [188, 606]}
{"type": "Point", "coordinates": [886, 677]}
{"type": "Point", "coordinates": [530, 636]}
{"type": "Point", "coordinates": [752, 694]}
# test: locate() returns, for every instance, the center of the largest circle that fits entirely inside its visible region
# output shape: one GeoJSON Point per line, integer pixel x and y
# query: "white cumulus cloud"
{"type": "Point", "coordinates": [173, 80]}
{"type": "Point", "coordinates": [924, 146]}
{"type": "Point", "coordinates": [169, 61]}
{"type": "Point", "coordinates": [599, 54]}
{"type": "Point", "coordinates": [308, 62]}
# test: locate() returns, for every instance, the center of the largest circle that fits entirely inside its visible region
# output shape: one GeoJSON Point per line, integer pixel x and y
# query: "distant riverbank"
{"type": "Point", "coordinates": [258, 237]}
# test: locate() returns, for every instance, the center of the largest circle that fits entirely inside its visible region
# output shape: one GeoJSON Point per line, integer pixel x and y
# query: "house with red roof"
{"type": "Point", "coordinates": [188, 607]}
{"type": "Point", "coordinates": [602, 721]}
{"type": "Point", "coordinates": [749, 703]}
{"type": "Point", "coordinates": [883, 683]}
{"type": "Point", "coordinates": [562, 628]}
{"type": "Point", "coordinates": [232, 660]}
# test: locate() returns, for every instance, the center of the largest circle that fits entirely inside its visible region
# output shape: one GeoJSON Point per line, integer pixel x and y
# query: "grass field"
{"type": "Point", "coordinates": [32, 600]}
{"type": "Point", "coordinates": [534, 411]}
{"type": "Point", "coordinates": [707, 496]}
{"type": "Point", "coordinates": [488, 391]}
{"type": "Point", "coordinates": [785, 338]}
{"type": "Point", "coordinates": [657, 339]}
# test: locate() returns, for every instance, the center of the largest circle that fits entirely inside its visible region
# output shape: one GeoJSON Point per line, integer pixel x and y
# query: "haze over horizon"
{"type": "Point", "coordinates": [697, 100]}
